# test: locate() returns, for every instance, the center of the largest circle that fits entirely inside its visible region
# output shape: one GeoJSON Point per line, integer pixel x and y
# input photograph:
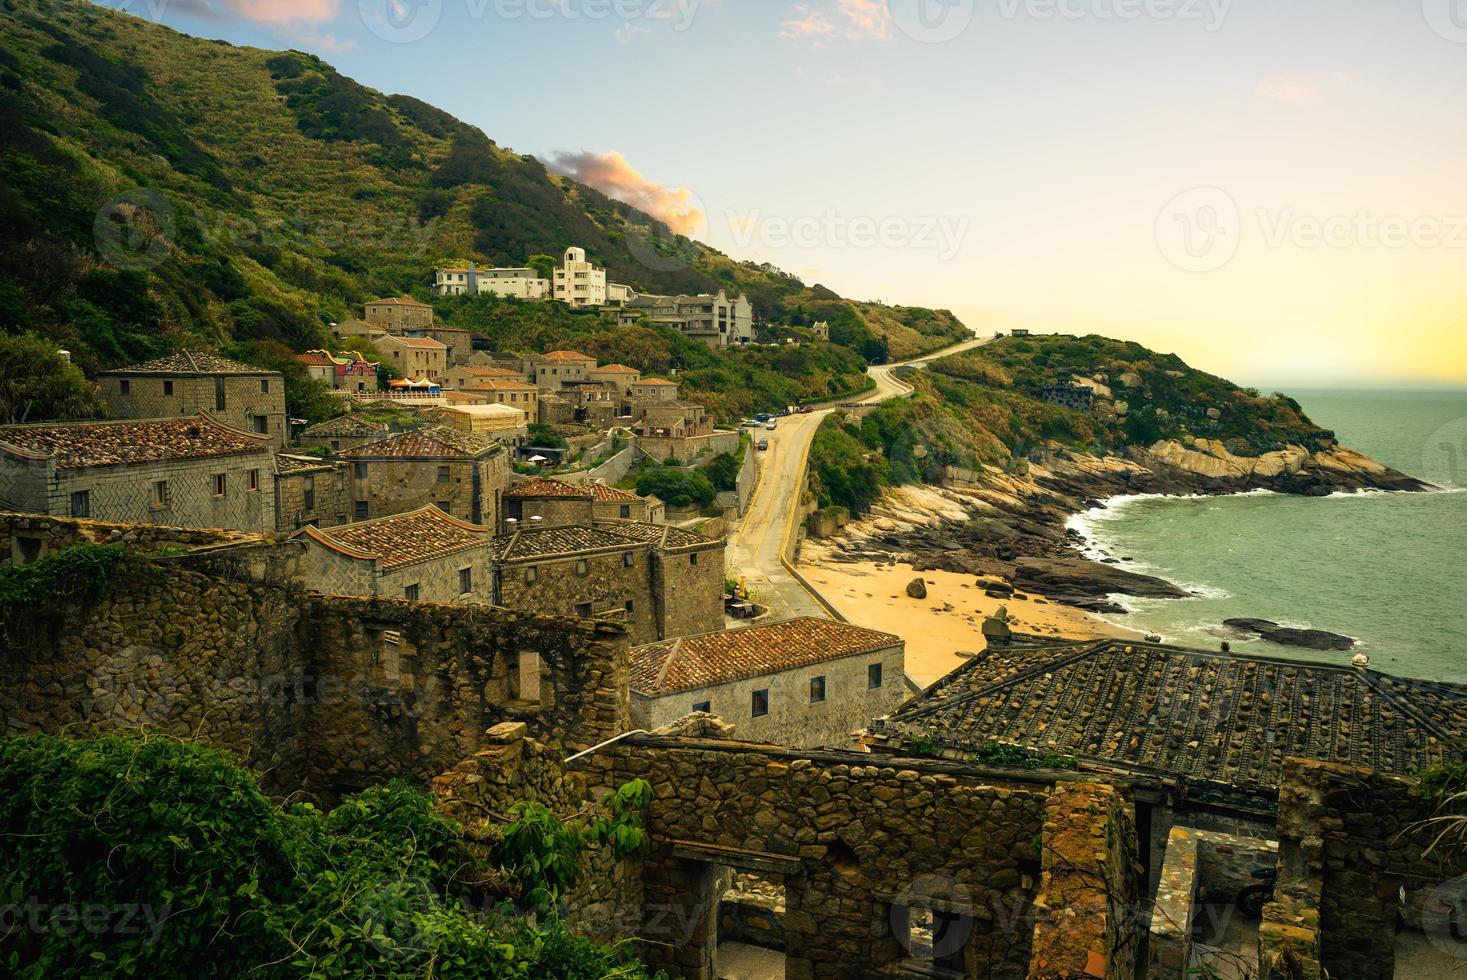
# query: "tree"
{"type": "Point", "coordinates": [543, 264]}
{"type": "Point", "coordinates": [38, 384]}
{"type": "Point", "coordinates": [677, 488]}
{"type": "Point", "coordinates": [723, 472]}
{"type": "Point", "coordinates": [543, 436]}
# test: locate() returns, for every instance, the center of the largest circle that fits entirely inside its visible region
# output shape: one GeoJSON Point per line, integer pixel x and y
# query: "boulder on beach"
{"type": "Point", "coordinates": [1290, 636]}
{"type": "Point", "coordinates": [918, 589]}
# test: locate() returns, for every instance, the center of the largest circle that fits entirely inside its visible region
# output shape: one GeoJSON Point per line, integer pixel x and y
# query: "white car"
{"type": "Point", "coordinates": [771, 427]}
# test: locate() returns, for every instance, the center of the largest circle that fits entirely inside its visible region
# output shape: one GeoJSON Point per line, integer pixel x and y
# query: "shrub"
{"type": "Point", "coordinates": [676, 488]}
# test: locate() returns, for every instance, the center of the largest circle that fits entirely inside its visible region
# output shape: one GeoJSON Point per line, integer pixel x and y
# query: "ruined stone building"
{"type": "Point", "coordinates": [686, 575]}
{"type": "Point", "coordinates": [239, 395]}
{"type": "Point", "coordinates": [554, 370]}
{"type": "Point", "coordinates": [425, 555]}
{"type": "Point", "coordinates": [461, 473]}
{"type": "Point", "coordinates": [309, 492]}
{"type": "Point", "coordinates": [184, 472]}
{"type": "Point", "coordinates": [807, 683]}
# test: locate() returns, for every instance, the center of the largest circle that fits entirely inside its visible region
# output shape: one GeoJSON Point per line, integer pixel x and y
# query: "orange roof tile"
{"type": "Point", "coordinates": [77, 445]}
{"type": "Point", "coordinates": [402, 539]}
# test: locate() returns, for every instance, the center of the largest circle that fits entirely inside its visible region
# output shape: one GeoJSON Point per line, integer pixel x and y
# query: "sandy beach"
{"type": "Point", "coordinates": [948, 622]}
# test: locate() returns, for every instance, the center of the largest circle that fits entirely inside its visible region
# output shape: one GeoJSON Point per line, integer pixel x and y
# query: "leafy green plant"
{"type": "Point", "coordinates": [80, 574]}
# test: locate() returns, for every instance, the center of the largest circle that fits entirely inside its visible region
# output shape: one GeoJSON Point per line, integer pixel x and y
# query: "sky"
{"type": "Point", "coordinates": [1272, 190]}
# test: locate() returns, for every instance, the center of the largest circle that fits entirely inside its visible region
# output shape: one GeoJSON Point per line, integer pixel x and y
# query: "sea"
{"type": "Point", "coordinates": [1389, 569]}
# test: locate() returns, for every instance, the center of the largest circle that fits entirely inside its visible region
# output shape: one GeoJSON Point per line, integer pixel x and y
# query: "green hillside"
{"type": "Point", "coordinates": [159, 190]}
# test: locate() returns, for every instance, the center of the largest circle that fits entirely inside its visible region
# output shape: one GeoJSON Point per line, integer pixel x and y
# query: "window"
{"type": "Point", "coordinates": [308, 499]}
{"type": "Point", "coordinates": [532, 575]}
{"type": "Point", "coordinates": [873, 676]}
{"type": "Point", "coordinates": [81, 503]}
{"type": "Point", "coordinates": [264, 386]}
{"type": "Point", "coordinates": [126, 386]}
{"type": "Point", "coordinates": [362, 510]}
{"type": "Point", "coordinates": [254, 479]}
{"type": "Point", "coordinates": [168, 389]}
{"type": "Point", "coordinates": [817, 690]}
{"type": "Point", "coordinates": [410, 593]}
{"type": "Point", "coordinates": [524, 677]}
{"type": "Point", "coordinates": [160, 493]}
{"type": "Point", "coordinates": [465, 581]}
{"type": "Point", "coordinates": [628, 560]}
{"type": "Point", "coordinates": [626, 511]}
{"type": "Point", "coordinates": [760, 706]}
{"type": "Point", "coordinates": [704, 707]}
{"type": "Point", "coordinates": [219, 394]}
{"type": "Point", "coordinates": [631, 606]}
{"type": "Point", "coordinates": [221, 484]}
{"type": "Point", "coordinates": [261, 424]}
{"type": "Point", "coordinates": [445, 474]}
{"type": "Point", "coordinates": [693, 558]}
{"type": "Point", "coordinates": [361, 471]}
{"type": "Point", "coordinates": [445, 505]}
{"type": "Point", "coordinates": [583, 610]}
{"type": "Point", "coordinates": [583, 567]}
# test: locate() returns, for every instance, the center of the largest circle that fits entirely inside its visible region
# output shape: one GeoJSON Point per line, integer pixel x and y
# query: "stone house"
{"type": "Point", "coordinates": [554, 370]}
{"type": "Point", "coordinates": [418, 358]}
{"type": "Point", "coordinates": [653, 390]}
{"type": "Point", "coordinates": [463, 474]}
{"type": "Point", "coordinates": [504, 391]}
{"type": "Point", "coordinates": [687, 575]}
{"type": "Point", "coordinates": [615, 504]}
{"type": "Point", "coordinates": [459, 342]}
{"type": "Point", "coordinates": [679, 430]}
{"type": "Point", "coordinates": [467, 375]}
{"type": "Point", "coordinates": [542, 503]}
{"type": "Point", "coordinates": [343, 432]}
{"type": "Point", "coordinates": [806, 683]}
{"type": "Point", "coordinates": [320, 366]}
{"type": "Point", "coordinates": [309, 491]}
{"type": "Point", "coordinates": [587, 572]}
{"type": "Point", "coordinates": [348, 329]}
{"type": "Point", "coordinates": [618, 377]}
{"type": "Point", "coordinates": [425, 556]}
{"type": "Point", "coordinates": [178, 472]}
{"type": "Point", "coordinates": [399, 315]}
{"type": "Point", "coordinates": [239, 395]}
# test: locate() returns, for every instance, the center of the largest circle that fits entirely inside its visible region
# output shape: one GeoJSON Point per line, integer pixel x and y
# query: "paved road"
{"type": "Point", "coordinates": [767, 533]}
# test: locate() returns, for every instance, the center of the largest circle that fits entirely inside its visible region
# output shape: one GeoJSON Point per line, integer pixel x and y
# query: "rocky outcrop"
{"type": "Point", "coordinates": [1291, 637]}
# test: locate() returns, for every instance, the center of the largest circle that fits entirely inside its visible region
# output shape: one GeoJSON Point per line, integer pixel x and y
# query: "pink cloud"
{"type": "Point", "coordinates": [612, 175]}
{"type": "Point", "coordinates": [276, 12]}
{"type": "Point", "coordinates": [848, 19]}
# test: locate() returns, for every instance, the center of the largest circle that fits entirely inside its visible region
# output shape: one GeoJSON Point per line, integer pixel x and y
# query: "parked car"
{"type": "Point", "coordinates": [806, 410]}
{"type": "Point", "coordinates": [761, 419]}
{"type": "Point", "coordinates": [771, 426]}
{"type": "Point", "coordinates": [763, 445]}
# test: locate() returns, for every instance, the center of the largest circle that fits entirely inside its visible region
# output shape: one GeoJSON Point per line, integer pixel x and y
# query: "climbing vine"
{"type": "Point", "coordinates": [80, 574]}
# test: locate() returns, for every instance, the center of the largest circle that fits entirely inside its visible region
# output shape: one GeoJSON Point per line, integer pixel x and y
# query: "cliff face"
{"type": "Point", "coordinates": [1292, 470]}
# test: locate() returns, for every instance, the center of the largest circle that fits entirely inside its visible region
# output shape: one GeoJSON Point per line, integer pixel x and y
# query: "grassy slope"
{"type": "Point", "coordinates": [981, 408]}
{"type": "Point", "coordinates": [294, 195]}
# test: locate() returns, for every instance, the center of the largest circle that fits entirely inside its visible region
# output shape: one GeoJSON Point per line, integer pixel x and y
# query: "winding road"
{"type": "Point", "coordinates": [762, 548]}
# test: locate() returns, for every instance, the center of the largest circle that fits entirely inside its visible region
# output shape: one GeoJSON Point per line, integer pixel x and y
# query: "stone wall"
{"type": "Point", "coordinates": [607, 587]}
{"type": "Point", "coordinates": [470, 490]}
{"type": "Point", "coordinates": [325, 693]}
{"type": "Point", "coordinates": [315, 496]}
{"type": "Point", "coordinates": [26, 537]}
{"type": "Point", "coordinates": [551, 511]}
{"type": "Point", "coordinates": [236, 400]}
{"type": "Point", "coordinates": [687, 588]}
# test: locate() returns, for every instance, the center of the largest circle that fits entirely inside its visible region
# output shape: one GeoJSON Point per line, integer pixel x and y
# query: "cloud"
{"type": "Point", "coordinates": [1302, 91]}
{"type": "Point", "coordinates": [848, 19]}
{"type": "Point", "coordinates": [629, 32]}
{"type": "Point", "coordinates": [280, 12]}
{"type": "Point", "coordinates": [612, 175]}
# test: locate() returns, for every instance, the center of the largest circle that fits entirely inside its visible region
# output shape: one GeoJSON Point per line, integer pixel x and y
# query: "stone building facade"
{"type": "Point", "coordinates": [686, 576]}
{"type": "Point", "coordinates": [239, 395]}
{"type": "Point", "coordinates": [467, 375]}
{"type": "Point", "coordinates": [309, 492]}
{"type": "Point", "coordinates": [558, 368]}
{"type": "Point", "coordinates": [342, 433]}
{"type": "Point", "coordinates": [806, 683]}
{"type": "Point", "coordinates": [506, 391]}
{"type": "Point", "coordinates": [422, 556]}
{"type": "Point", "coordinates": [187, 472]}
{"type": "Point", "coordinates": [399, 314]}
{"type": "Point", "coordinates": [418, 358]}
{"type": "Point", "coordinates": [463, 474]}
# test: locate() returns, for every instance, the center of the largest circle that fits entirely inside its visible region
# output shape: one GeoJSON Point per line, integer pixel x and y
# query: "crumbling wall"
{"type": "Point", "coordinates": [25, 537]}
{"type": "Point", "coordinates": [1085, 913]}
{"type": "Point", "coordinates": [324, 693]}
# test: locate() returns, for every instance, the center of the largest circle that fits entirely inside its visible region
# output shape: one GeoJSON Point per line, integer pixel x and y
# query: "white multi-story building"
{"type": "Point", "coordinates": [578, 282]}
{"type": "Point", "coordinates": [469, 281]}
{"type": "Point", "coordinates": [713, 318]}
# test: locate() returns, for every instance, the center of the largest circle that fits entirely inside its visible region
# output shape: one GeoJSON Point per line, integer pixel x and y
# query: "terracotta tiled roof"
{"type": "Point", "coordinates": [403, 539]}
{"type": "Point", "coordinates": [657, 382]}
{"type": "Point", "coordinates": [567, 355]}
{"type": "Point", "coordinates": [491, 372]}
{"type": "Point", "coordinates": [664, 537]}
{"type": "Point", "coordinates": [616, 369]}
{"type": "Point", "coordinates": [541, 487]}
{"type": "Point", "coordinates": [289, 465]}
{"type": "Point", "coordinates": [316, 358]}
{"type": "Point", "coordinates": [607, 494]}
{"type": "Point", "coordinates": [436, 442]}
{"type": "Point", "coordinates": [423, 343]}
{"type": "Point", "coordinates": [398, 301]}
{"type": "Point", "coordinates": [1224, 723]}
{"type": "Point", "coordinates": [347, 425]}
{"type": "Point", "coordinates": [554, 542]}
{"type": "Point", "coordinates": [718, 658]}
{"type": "Point", "coordinates": [76, 445]}
{"type": "Point", "coordinates": [502, 385]}
{"type": "Point", "coordinates": [192, 362]}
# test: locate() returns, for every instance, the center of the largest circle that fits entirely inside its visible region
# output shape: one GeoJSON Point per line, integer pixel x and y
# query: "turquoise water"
{"type": "Point", "coordinates": [1388, 569]}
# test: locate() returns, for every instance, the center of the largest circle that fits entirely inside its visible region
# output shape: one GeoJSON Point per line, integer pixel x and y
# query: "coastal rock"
{"type": "Point", "coordinates": [917, 589]}
{"type": "Point", "coordinates": [1290, 636]}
